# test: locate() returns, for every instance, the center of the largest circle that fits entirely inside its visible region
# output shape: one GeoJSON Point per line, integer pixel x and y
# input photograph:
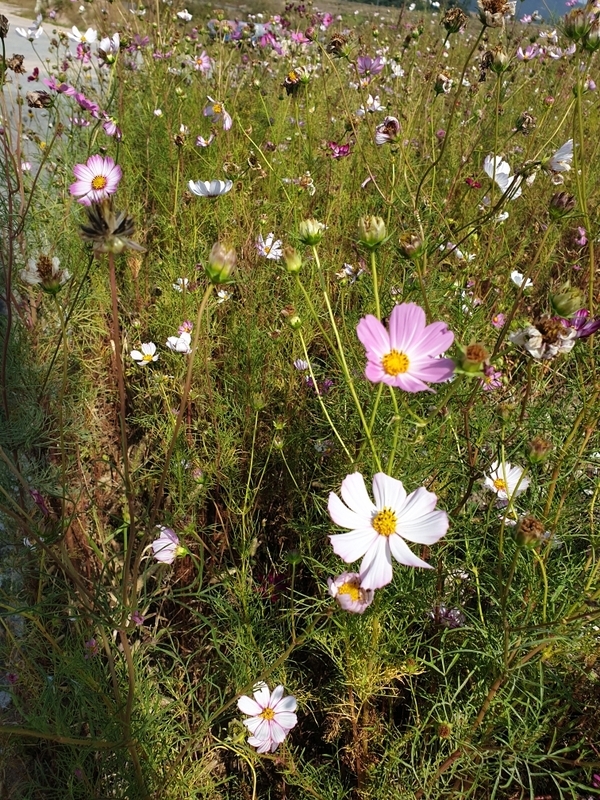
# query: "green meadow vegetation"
{"type": "Point", "coordinates": [275, 279]}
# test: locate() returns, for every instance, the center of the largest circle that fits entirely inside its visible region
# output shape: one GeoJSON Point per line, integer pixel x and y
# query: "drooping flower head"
{"type": "Point", "coordinates": [406, 354]}
{"type": "Point", "coordinates": [216, 110]}
{"type": "Point", "coordinates": [271, 716]}
{"type": "Point", "coordinates": [166, 547]}
{"type": "Point", "coordinates": [96, 180]}
{"type": "Point", "coordinates": [378, 529]}
{"type": "Point", "coordinates": [45, 271]}
{"type": "Point", "coordinates": [348, 591]}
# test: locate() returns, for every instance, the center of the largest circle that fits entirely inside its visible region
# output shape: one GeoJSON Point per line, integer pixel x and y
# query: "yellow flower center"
{"type": "Point", "coordinates": [99, 182]}
{"type": "Point", "coordinates": [292, 76]}
{"type": "Point", "coordinates": [350, 589]}
{"type": "Point", "coordinates": [267, 250]}
{"type": "Point", "coordinates": [384, 522]}
{"type": "Point", "coordinates": [217, 108]}
{"type": "Point", "coordinates": [147, 357]}
{"type": "Point", "coordinates": [395, 363]}
{"type": "Point", "coordinates": [500, 485]}
{"type": "Point", "coordinates": [267, 713]}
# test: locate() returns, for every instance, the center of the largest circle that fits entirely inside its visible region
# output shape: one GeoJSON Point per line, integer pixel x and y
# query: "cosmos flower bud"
{"type": "Point", "coordinates": [221, 263]}
{"type": "Point", "coordinates": [529, 532]}
{"type": "Point", "coordinates": [454, 19]}
{"type": "Point", "coordinates": [567, 300]}
{"type": "Point", "coordinates": [310, 232]}
{"type": "Point", "coordinates": [539, 449]}
{"type": "Point", "coordinates": [4, 25]}
{"type": "Point", "coordinates": [576, 24]}
{"type": "Point", "coordinates": [561, 204]}
{"type": "Point", "coordinates": [591, 41]}
{"type": "Point", "coordinates": [443, 84]}
{"type": "Point", "coordinates": [292, 259]}
{"type": "Point", "coordinates": [411, 245]}
{"type": "Point", "coordinates": [371, 231]}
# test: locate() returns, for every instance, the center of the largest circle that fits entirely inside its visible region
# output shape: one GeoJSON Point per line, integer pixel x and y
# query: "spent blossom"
{"type": "Point", "coordinates": [378, 529]}
{"type": "Point", "coordinates": [271, 716]}
{"type": "Point", "coordinates": [387, 131]}
{"type": "Point", "coordinates": [216, 110]}
{"type": "Point", "coordinates": [546, 339]}
{"type": "Point", "coordinates": [45, 271]}
{"type": "Point", "coordinates": [405, 355]}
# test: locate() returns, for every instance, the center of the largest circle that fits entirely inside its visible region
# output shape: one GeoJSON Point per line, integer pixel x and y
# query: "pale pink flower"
{"type": "Point", "coordinates": [406, 355]}
{"type": "Point", "coordinates": [348, 591]}
{"type": "Point", "coordinates": [271, 716]}
{"type": "Point", "coordinates": [96, 179]}
{"type": "Point", "coordinates": [166, 547]}
{"type": "Point", "coordinates": [378, 530]}
{"type": "Point", "coordinates": [216, 110]}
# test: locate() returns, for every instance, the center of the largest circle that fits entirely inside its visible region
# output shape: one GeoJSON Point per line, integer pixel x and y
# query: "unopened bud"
{"type": "Point", "coordinates": [529, 532]}
{"type": "Point", "coordinates": [310, 232]}
{"type": "Point", "coordinates": [500, 60]}
{"type": "Point", "coordinates": [576, 24]}
{"type": "Point", "coordinates": [561, 204]}
{"type": "Point", "coordinates": [539, 449]}
{"type": "Point", "coordinates": [591, 42]}
{"type": "Point", "coordinates": [221, 263]}
{"type": "Point", "coordinates": [371, 231]}
{"type": "Point", "coordinates": [567, 300]}
{"type": "Point", "coordinates": [292, 259]}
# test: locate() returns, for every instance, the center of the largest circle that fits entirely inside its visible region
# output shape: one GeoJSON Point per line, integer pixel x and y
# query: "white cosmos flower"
{"type": "Point", "coordinates": [33, 32]}
{"type": "Point", "coordinates": [181, 343]}
{"type": "Point", "coordinates": [146, 354]}
{"type": "Point", "coordinates": [184, 15]}
{"type": "Point", "coordinates": [271, 716]}
{"type": "Point", "coordinates": [518, 277]}
{"type": "Point", "coordinates": [270, 247]}
{"type": "Point", "coordinates": [561, 160]}
{"type": "Point", "coordinates": [507, 481]}
{"type": "Point", "coordinates": [378, 529]}
{"type": "Point", "coordinates": [83, 38]}
{"type": "Point", "coordinates": [499, 170]}
{"type": "Point", "coordinates": [349, 593]}
{"type": "Point", "coordinates": [213, 188]}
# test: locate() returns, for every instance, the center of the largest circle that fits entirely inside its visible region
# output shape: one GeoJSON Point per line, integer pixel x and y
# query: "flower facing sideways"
{"type": "Point", "coordinates": [213, 188]}
{"type": "Point", "coordinates": [349, 593]}
{"type": "Point", "coordinates": [181, 343]}
{"type": "Point", "coordinates": [45, 271]}
{"type": "Point", "coordinates": [507, 481]}
{"type": "Point", "coordinates": [166, 547]}
{"type": "Point", "coordinates": [378, 530]}
{"type": "Point", "coordinates": [270, 716]}
{"type": "Point", "coordinates": [406, 355]}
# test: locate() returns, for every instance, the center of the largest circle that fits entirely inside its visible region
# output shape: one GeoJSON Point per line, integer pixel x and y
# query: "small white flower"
{"type": "Point", "coordinates": [146, 354]}
{"type": "Point", "coordinates": [184, 15]}
{"type": "Point", "coordinates": [223, 295]}
{"type": "Point", "coordinates": [373, 104]}
{"type": "Point", "coordinates": [180, 284]}
{"type": "Point", "coordinates": [33, 32]}
{"type": "Point", "coordinates": [561, 160]}
{"type": "Point", "coordinates": [517, 278]}
{"type": "Point", "coordinates": [202, 142]}
{"type": "Point", "coordinates": [270, 247]}
{"type": "Point", "coordinates": [271, 716]}
{"type": "Point", "coordinates": [181, 343]}
{"type": "Point", "coordinates": [82, 38]}
{"type": "Point", "coordinates": [158, 112]}
{"type": "Point", "coordinates": [213, 188]}
{"type": "Point", "coordinates": [507, 481]}
{"type": "Point", "coordinates": [499, 170]}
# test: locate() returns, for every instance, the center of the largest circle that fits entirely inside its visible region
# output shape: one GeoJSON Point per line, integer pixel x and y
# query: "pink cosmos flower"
{"type": "Point", "coordinates": [271, 716]}
{"type": "Point", "coordinates": [378, 530]}
{"type": "Point", "coordinates": [96, 179]}
{"type": "Point", "coordinates": [349, 593]}
{"type": "Point", "coordinates": [406, 355]}
{"type": "Point", "coordinates": [166, 547]}
{"type": "Point", "coordinates": [216, 110]}
{"type": "Point", "coordinates": [498, 320]}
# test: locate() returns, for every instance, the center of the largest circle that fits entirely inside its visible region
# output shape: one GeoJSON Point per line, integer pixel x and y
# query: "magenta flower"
{"type": "Point", "coordinates": [585, 327]}
{"type": "Point", "coordinates": [96, 179]}
{"type": "Point", "coordinates": [498, 320]}
{"type": "Point", "coordinates": [339, 150]}
{"type": "Point", "coordinates": [406, 355]}
{"type": "Point", "coordinates": [492, 378]}
{"type": "Point", "coordinates": [369, 66]}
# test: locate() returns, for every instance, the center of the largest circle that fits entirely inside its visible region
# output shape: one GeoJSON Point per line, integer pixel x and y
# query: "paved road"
{"type": "Point", "coordinates": [17, 44]}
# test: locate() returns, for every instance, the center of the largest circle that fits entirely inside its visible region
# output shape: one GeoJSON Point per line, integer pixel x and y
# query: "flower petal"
{"type": "Point", "coordinates": [373, 336]}
{"type": "Point", "coordinates": [287, 719]}
{"type": "Point", "coordinates": [276, 696]}
{"type": "Point", "coordinates": [344, 517]}
{"type": "Point", "coordinates": [352, 546]}
{"type": "Point", "coordinates": [356, 497]}
{"type": "Point", "coordinates": [388, 492]}
{"type": "Point", "coordinates": [429, 529]}
{"type": "Point", "coordinates": [248, 706]}
{"type": "Point", "coordinates": [404, 555]}
{"type": "Point", "coordinates": [407, 322]}
{"type": "Point", "coordinates": [285, 704]}
{"type": "Point", "coordinates": [376, 568]}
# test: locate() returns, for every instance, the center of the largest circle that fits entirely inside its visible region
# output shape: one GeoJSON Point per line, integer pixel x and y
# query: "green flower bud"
{"type": "Point", "coordinates": [500, 60]}
{"type": "Point", "coordinates": [561, 204]}
{"type": "Point", "coordinates": [411, 246]}
{"type": "Point", "coordinates": [221, 263]}
{"type": "Point", "coordinates": [292, 259]}
{"type": "Point", "coordinates": [371, 232]}
{"type": "Point", "coordinates": [310, 231]}
{"type": "Point", "coordinates": [567, 300]}
{"type": "Point", "coordinates": [539, 449]}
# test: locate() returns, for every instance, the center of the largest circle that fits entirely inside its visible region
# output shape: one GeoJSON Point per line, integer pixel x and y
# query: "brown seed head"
{"type": "Point", "coordinates": [529, 532]}
{"type": "Point", "coordinates": [454, 19]}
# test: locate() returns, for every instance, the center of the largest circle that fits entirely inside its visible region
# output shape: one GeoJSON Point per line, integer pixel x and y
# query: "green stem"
{"type": "Point", "coordinates": [375, 283]}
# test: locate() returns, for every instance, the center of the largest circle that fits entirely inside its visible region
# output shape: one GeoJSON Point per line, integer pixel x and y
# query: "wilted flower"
{"type": "Point", "coordinates": [492, 13]}
{"type": "Point", "coordinates": [271, 716]}
{"type": "Point", "coordinates": [310, 231]}
{"type": "Point", "coordinates": [166, 547]}
{"type": "Point", "coordinates": [146, 354]}
{"type": "Point", "coordinates": [108, 49]}
{"type": "Point", "coordinates": [270, 247]}
{"type": "Point", "coordinates": [529, 531]}
{"type": "Point", "coordinates": [213, 188]}
{"type": "Point", "coordinates": [216, 111]}
{"type": "Point", "coordinates": [406, 354]}
{"type": "Point", "coordinates": [561, 203]}
{"type": "Point", "coordinates": [180, 344]}
{"type": "Point", "coordinates": [96, 179]}
{"type": "Point", "coordinates": [294, 79]}
{"type": "Point", "coordinates": [443, 84]}
{"type": "Point", "coordinates": [505, 480]}
{"type": "Point", "coordinates": [561, 160]}
{"type": "Point", "coordinates": [349, 593]}
{"type": "Point", "coordinates": [378, 530]}
{"type": "Point", "coordinates": [339, 150]}
{"type": "Point", "coordinates": [546, 339]}
{"type": "Point", "coordinates": [448, 617]}
{"type": "Point", "coordinates": [109, 231]}
{"type": "Point", "coordinates": [387, 131]}
{"type": "Point", "coordinates": [583, 326]}
{"type": "Point", "coordinates": [45, 272]}
{"type": "Point", "coordinates": [339, 45]}
{"type": "Point", "coordinates": [454, 19]}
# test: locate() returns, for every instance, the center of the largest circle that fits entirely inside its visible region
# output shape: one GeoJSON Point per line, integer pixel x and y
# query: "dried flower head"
{"type": "Point", "coordinates": [339, 46]}
{"type": "Point", "coordinates": [492, 13]}
{"type": "Point", "coordinates": [529, 531]}
{"type": "Point", "coordinates": [454, 19]}
{"type": "Point", "coordinates": [107, 230]}
{"type": "Point", "coordinates": [45, 272]}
